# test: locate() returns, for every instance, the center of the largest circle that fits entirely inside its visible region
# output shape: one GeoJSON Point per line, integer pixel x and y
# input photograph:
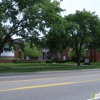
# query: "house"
{"type": "Point", "coordinates": [11, 54]}
{"type": "Point", "coordinates": [91, 54]}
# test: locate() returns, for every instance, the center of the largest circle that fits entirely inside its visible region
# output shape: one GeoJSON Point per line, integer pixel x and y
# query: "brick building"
{"type": "Point", "coordinates": [92, 54]}
{"type": "Point", "coordinates": [11, 54]}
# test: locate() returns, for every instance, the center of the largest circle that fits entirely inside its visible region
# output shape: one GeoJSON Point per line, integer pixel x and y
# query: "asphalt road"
{"type": "Point", "coordinates": [59, 85]}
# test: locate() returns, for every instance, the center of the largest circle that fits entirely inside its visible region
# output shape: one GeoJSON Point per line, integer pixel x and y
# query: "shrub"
{"type": "Point", "coordinates": [6, 58]}
{"type": "Point", "coordinates": [49, 61]}
{"type": "Point", "coordinates": [27, 61]}
{"type": "Point", "coordinates": [55, 59]}
{"type": "Point", "coordinates": [61, 61]}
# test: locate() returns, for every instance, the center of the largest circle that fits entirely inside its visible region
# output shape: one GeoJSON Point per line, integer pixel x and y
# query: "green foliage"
{"type": "Point", "coordinates": [98, 49]}
{"type": "Point", "coordinates": [30, 50]}
{"type": "Point", "coordinates": [28, 61]}
{"type": "Point", "coordinates": [84, 30]}
{"type": "Point", "coordinates": [83, 27]}
{"type": "Point", "coordinates": [61, 61]}
{"type": "Point", "coordinates": [49, 61]}
{"type": "Point", "coordinates": [57, 38]}
{"type": "Point", "coordinates": [56, 61]}
{"type": "Point", "coordinates": [27, 19]}
{"type": "Point", "coordinates": [73, 54]}
{"type": "Point", "coordinates": [6, 58]}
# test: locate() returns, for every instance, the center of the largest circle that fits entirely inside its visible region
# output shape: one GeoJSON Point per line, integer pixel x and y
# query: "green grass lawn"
{"type": "Point", "coordinates": [34, 67]}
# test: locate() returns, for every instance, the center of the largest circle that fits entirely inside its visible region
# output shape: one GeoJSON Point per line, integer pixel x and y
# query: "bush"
{"type": "Point", "coordinates": [61, 61]}
{"type": "Point", "coordinates": [49, 61]}
{"type": "Point", "coordinates": [58, 61]}
{"type": "Point", "coordinates": [6, 58]}
{"type": "Point", "coordinates": [55, 59]}
{"type": "Point", "coordinates": [28, 61]}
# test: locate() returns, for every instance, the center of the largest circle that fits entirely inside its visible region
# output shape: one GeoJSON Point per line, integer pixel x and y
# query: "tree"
{"type": "Point", "coordinates": [73, 54]}
{"type": "Point", "coordinates": [30, 50]}
{"type": "Point", "coordinates": [83, 29]}
{"type": "Point", "coordinates": [57, 38]}
{"type": "Point", "coordinates": [26, 19]}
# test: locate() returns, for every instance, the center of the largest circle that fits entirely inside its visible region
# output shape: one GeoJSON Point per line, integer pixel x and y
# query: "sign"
{"type": "Point", "coordinates": [87, 61]}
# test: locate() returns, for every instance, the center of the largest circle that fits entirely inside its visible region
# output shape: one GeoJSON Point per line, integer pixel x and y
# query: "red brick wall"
{"type": "Point", "coordinates": [92, 54]}
{"type": "Point", "coordinates": [17, 53]}
{"type": "Point", "coordinates": [97, 56]}
{"type": "Point", "coordinates": [65, 53]}
{"type": "Point", "coordinates": [6, 61]}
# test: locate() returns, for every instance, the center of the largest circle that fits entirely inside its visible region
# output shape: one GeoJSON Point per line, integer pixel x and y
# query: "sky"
{"type": "Point", "coordinates": [72, 5]}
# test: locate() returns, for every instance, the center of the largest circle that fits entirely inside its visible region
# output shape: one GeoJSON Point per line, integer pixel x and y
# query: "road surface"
{"type": "Point", "coordinates": [59, 85]}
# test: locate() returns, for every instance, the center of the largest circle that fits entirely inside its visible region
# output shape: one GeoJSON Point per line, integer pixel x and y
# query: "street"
{"type": "Point", "coordinates": [57, 85]}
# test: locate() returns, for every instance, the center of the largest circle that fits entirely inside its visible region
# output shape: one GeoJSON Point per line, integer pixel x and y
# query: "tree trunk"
{"type": "Point", "coordinates": [1, 50]}
{"type": "Point", "coordinates": [78, 59]}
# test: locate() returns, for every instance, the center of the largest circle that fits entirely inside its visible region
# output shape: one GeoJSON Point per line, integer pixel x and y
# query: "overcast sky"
{"type": "Point", "coordinates": [72, 5]}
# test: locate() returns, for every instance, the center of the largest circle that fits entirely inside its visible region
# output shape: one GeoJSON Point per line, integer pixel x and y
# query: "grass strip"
{"type": "Point", "coordinates": [50, 67]}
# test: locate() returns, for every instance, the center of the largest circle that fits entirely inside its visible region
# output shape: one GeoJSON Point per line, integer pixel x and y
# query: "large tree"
{"type": "Point", "coordinates": [26, 19]}
{"type": "Point", "coordinates": [57, 38]}
{"type": "Point", "coordinates": [83, 29]}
